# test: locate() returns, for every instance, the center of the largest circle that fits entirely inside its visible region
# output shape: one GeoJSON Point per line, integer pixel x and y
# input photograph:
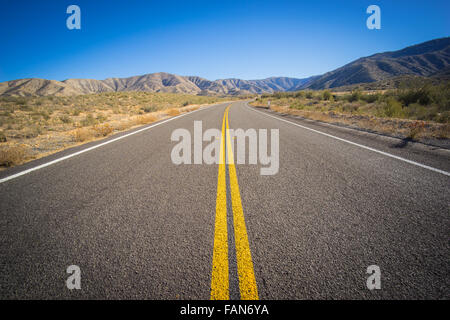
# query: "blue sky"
{"type": "Point", "coordinates": [213, 39]}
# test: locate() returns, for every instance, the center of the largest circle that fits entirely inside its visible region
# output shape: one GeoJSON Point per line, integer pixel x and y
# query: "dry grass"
{"type": "Point", "coordinates": [416, 129]}
{"type": "Point", "coordinates": [173, 112]}
{"type": "Point", "coordinates": [443, 132]}
{"type": "Point", "coordinates": [191, 108]}
{"type": "Point", "coordinates": [12, 155]}
{"type": "Point", "coordinates": [145, 119]}
{"type": "Point", "coordinates": [430, 103]}
{"type": "Point", "coordinates": [83, 134]}
{"type": "Point", "coordinates": [29, 117]}
{"type": "Point", "coordinates": [123, 124]}
{"type": "Point", "coordinates": [45, 125]}
{"type": "Point", "coordinates": [413, 129]}
{"type": "Point", "coordinates": [103, 130]}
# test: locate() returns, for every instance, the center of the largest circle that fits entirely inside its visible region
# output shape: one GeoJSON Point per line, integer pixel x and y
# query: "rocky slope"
{"type": "Point", "coordinates": [425, 60]}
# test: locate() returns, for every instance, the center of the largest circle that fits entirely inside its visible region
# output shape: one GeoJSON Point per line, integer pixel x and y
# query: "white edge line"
{"type": "Point", "coordinates": [98, 145]}
{"type": "Point", "coordinates": [357, 144]}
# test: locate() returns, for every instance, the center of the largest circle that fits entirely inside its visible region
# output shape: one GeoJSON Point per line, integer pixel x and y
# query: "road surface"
{"type": "Point", "coordinates": [141, 227]}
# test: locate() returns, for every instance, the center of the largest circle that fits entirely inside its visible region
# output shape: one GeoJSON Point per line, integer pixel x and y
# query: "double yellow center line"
{"type": "Point", "coordinates": [220, 272]}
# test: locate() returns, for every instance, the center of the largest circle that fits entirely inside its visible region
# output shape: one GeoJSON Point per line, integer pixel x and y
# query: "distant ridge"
{"type": "Point", "coordinates": [426, 60]}
{"type": "Point", "coordinates": [155, 82]}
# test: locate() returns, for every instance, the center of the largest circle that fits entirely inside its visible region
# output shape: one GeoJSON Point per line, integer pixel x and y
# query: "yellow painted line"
{"type": "Point", "coordinates": [247, 282]}
{"type": "Point", "coordinates": [219, 277]}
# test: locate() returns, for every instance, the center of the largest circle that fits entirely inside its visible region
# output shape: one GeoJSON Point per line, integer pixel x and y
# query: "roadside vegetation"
{"type": "Point", "coordinates": [31, 127]}
{"type": "Point", "coordinates": [415, 112]}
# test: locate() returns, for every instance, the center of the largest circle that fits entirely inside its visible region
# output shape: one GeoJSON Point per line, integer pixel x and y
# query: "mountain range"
{"type": "Point", "coordinates": [425, 60]}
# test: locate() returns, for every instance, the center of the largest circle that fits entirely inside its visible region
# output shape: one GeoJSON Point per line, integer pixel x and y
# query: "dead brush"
{"type": "Point", "coordinates": [173, 112]}
{"type": "Point", "coordinates": [123, 125]}
{"type": "Point", "coordinates": [415, 129]}
{"type": "Point", "coordinates": [190, 109]}
{"type": "Point", "coordinates": [83, 134]}
{"type": "Point", "coordinates": [148, 118]}
{"type": "Point", "coordinates": [12, 155]}
{"type": "Point", "coordinates": [443, 132]}
{"type": "Point", "coordinates": [319, 116]}
{"type": "Point", "coordinates": [277, 108]}
{"type": "Point", "coordinates": [103, 130]}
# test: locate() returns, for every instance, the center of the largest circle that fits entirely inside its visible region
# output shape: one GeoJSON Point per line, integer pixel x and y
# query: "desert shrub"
{"type": "Point", "coordinates": [281, 95]}
{"type": "Point", "coordinates": [350, 107]}
{"type": "Point", "coordinates": [149, 118]}
{"type": "Point", "coordinates": [421, 95]}
{"type": "Point", "coordinates": [299, 94]}
{"type": "Point", "coordinates": [297, 105]}
{"type": "Point", "coordinates": [12, 155]}
{"type": "Point", "coordinates": [442, 117]}
{"type": "Point", "coordinates": [417, 111]}
{"type": "Point", "coordinates": [19, 100]}
{"type": "Point", "coordinates": [428, 94]}
{"type": "Point", "coordinates": [25, 107]}
{"type": "Point", "coordinates": [309, 94]}
{"type": "Point", "coordinates": [101, 118]}
{"type": "Point", "coordinates": [326, 95]}
{"type": "Point", "coordinates": [88, 121]}
{"type": "Point", "coordinates": [103, 130]}
{"type": "Point", "coordinates": [6, 114]}
{"type": "Point", "coordinates": [32, 131]}
{"type": "Point", "coordinates": [83, 134]}
{"type": "Point", "coordinates": [317, 96]}
{"type": "Point", "coordinates": [393, 108]}
{"type": "Point", "coordinates": [441, 96]}
{"type": "Point", "coordinates": [148, 109]}
{"type": "Point", "coordinates": [65, 119]}
{"type": "Point", "coordinates": [370, 98]}
{"type": "Point", "coordinates": [354, 96]}
{"type": "Point", "coordinates": [443, 132]}
{"type": "Point", "coordinates": [2, 137]}
{"type": "Point", "coordinates": [415, 129]}
{"type": "Point", "coordinates": [5, 99]}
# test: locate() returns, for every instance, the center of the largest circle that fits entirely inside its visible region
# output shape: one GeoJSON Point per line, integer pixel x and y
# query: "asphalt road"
{"type": "Point", "coordinates": [141, 227]}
